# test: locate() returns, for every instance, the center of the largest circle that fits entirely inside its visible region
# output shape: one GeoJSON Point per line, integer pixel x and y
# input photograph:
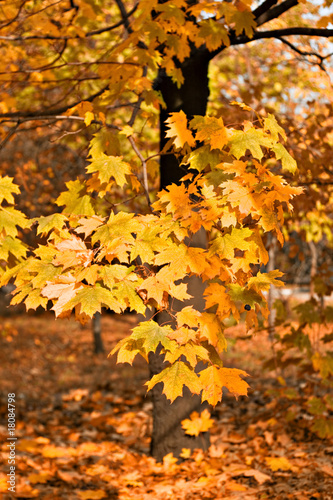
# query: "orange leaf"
{"type": "Point", "coordinates": [197, 423]}
{"type": "Point", "coordinates": [177, 124]}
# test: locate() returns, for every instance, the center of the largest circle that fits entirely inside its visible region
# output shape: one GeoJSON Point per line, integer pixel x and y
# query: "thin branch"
{"type": "Point", "coordinates": [9, 135]}
{"type": "Point", "coordinates": [144, 170]}
{"type": "Point", "coordinates": [48, 112]}
{"type": "Point", "coordinates": [62, 117]}
{"type": "Point", "coordinates": [305, 53]}
{"type": "Point", "coordinates": [53, 37]}
{"type": "Point", "coordinates": [87, 63]}
{"type": "Point", "coordinates": [15, 17]}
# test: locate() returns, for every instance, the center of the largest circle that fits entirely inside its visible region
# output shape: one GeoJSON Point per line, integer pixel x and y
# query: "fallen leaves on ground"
{"type": "Point", "coordinates": [83, 425]}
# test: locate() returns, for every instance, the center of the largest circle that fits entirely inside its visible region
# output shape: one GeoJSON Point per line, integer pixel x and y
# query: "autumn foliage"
{"type": "Point", "coordinates": [92, 71]}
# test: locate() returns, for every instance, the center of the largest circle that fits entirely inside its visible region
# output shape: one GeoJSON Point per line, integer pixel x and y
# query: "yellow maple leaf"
{"type": "Point", "coordinates": [212, 130]}
{"type": "Point", "coordinates": [88, 118]}
{"type": "Point", "coordinates": [177, 123]}
{"type": "Point", "coordinates": [278, 463]}
{"type": "Point", "coordinates": [214, 378]}
{"type": "Point", "coordinates": [197, 423]}
{"type": "Point", "coordinates": [92, 494]}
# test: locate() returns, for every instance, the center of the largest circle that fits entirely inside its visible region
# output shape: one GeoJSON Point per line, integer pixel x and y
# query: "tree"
{"type": "Point", "coordinates": [114, 70]}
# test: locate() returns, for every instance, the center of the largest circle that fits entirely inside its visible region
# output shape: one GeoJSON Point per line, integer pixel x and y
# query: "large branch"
{"type": "Point", "coordinates": [274, 12]}
{"type": "Point", "coordinates": [264, 7]}
{"type": "Point", "coordinates": [297, 30]}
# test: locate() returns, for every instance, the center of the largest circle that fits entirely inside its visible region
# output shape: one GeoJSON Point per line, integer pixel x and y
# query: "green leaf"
{"type": "Point", "coordinates": [110, 166]}
{"type": "Point", "coordinates": [174, 378]}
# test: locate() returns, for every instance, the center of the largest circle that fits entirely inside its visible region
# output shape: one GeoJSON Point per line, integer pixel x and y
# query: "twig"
{"type": "Point", "coordinates": [144, 170]}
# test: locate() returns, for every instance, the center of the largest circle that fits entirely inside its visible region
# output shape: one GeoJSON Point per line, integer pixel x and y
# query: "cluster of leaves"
{"type": "Point", "coordinates": [123, 260]}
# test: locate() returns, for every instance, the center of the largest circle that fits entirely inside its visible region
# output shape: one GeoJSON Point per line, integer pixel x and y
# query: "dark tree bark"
{"type": "Point", "coordinates": [168, 435]}
{"type": "Point", "coordinates": [97, 332]}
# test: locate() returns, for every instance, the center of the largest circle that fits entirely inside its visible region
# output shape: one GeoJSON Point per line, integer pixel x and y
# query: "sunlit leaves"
{"type": "Point", "coordinates": [177, 124]}
{"type": "Point", "coordinates": [110, 166]}
{"type": "Point", "coordinates": [7, 189]}
{"type": "Point", "coordinates": [76, 200]}
{"type": "Point", "coordinates": [174, 378]}
{"type": "Point", "coordinates": [214, 378]}
{"type": "Point", "coordinates": [126, 260]}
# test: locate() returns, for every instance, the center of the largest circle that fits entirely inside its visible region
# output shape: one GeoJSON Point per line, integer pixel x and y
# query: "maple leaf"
{"type": "Point", "coordinates": [193, 353]}
{"type": "Point", "coordinates": [147, 335]}
{"type": "Point", "coordinates": [174, 378]}
{"type": "Point", "coordinates": [197, 423]}
{"type": "Point", "coordinates": [211, 129]}
{"type": "Point", "coordinates": [202, 157]}
{"type": "Point", "coordinates": [263, 281]}
{"type": "Point", "coordinates": [88, 226]}
{"type": "Point", "coordinates": [244, 21]}
{"type": "Point", "coordinates": [188, 316]}
{"type": "Point", "coordinates": [14, 246]}
{"type": "Point", "coordinates": [76, 200]}
{"type": "Point", "coordinates": [177, 123]}
{"type": "Point", "coordinates": [272, 126]}
{"type": "Point", "coordinates": [217, 294]}
{"type": "Point", "coordinates": [73, 252]}
{"type": "Point", "coordinates": [10, 218]}
{"type": "Point", "coordinates": [7, 189]}
{"type": "Point", "coordinates": [213, 34]}
{"type": "Point", "coordinates": [50, 222]}
{"type": "Point", "coordinates": [214, 378]}
{"type": "Point", "coordinates": [226, 245]}
{"type": "Point", "coordinates": [278, 463]}
{"type": "Point", "coordinates": [90, 300]}
{"type": "Point", "coordinates": [211, 330]}
{"type": "Point", "coordinates": [110, 166]}
{"type": "Point", "coordinates": [288, 162]}
{"type": "Point", "coordinates": [250, 139]}
{"type": "Point", "coordinates": [247, 296]}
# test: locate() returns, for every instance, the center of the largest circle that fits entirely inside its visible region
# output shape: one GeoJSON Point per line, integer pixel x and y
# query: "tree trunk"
{"type": "Point", "coordinates": [168, 435]}
{"type": "Point", "coordinates": [97, 332]}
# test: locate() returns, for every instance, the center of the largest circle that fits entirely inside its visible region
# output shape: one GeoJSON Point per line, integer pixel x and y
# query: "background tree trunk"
{"type": "Point", "coordinates": [168, 435]}
{"type": "Point", "coordinates": [97, 332]}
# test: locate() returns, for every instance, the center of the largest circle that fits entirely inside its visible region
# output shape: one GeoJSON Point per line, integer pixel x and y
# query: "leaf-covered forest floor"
{"type": "Point", "coordinates": [83, 424]}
